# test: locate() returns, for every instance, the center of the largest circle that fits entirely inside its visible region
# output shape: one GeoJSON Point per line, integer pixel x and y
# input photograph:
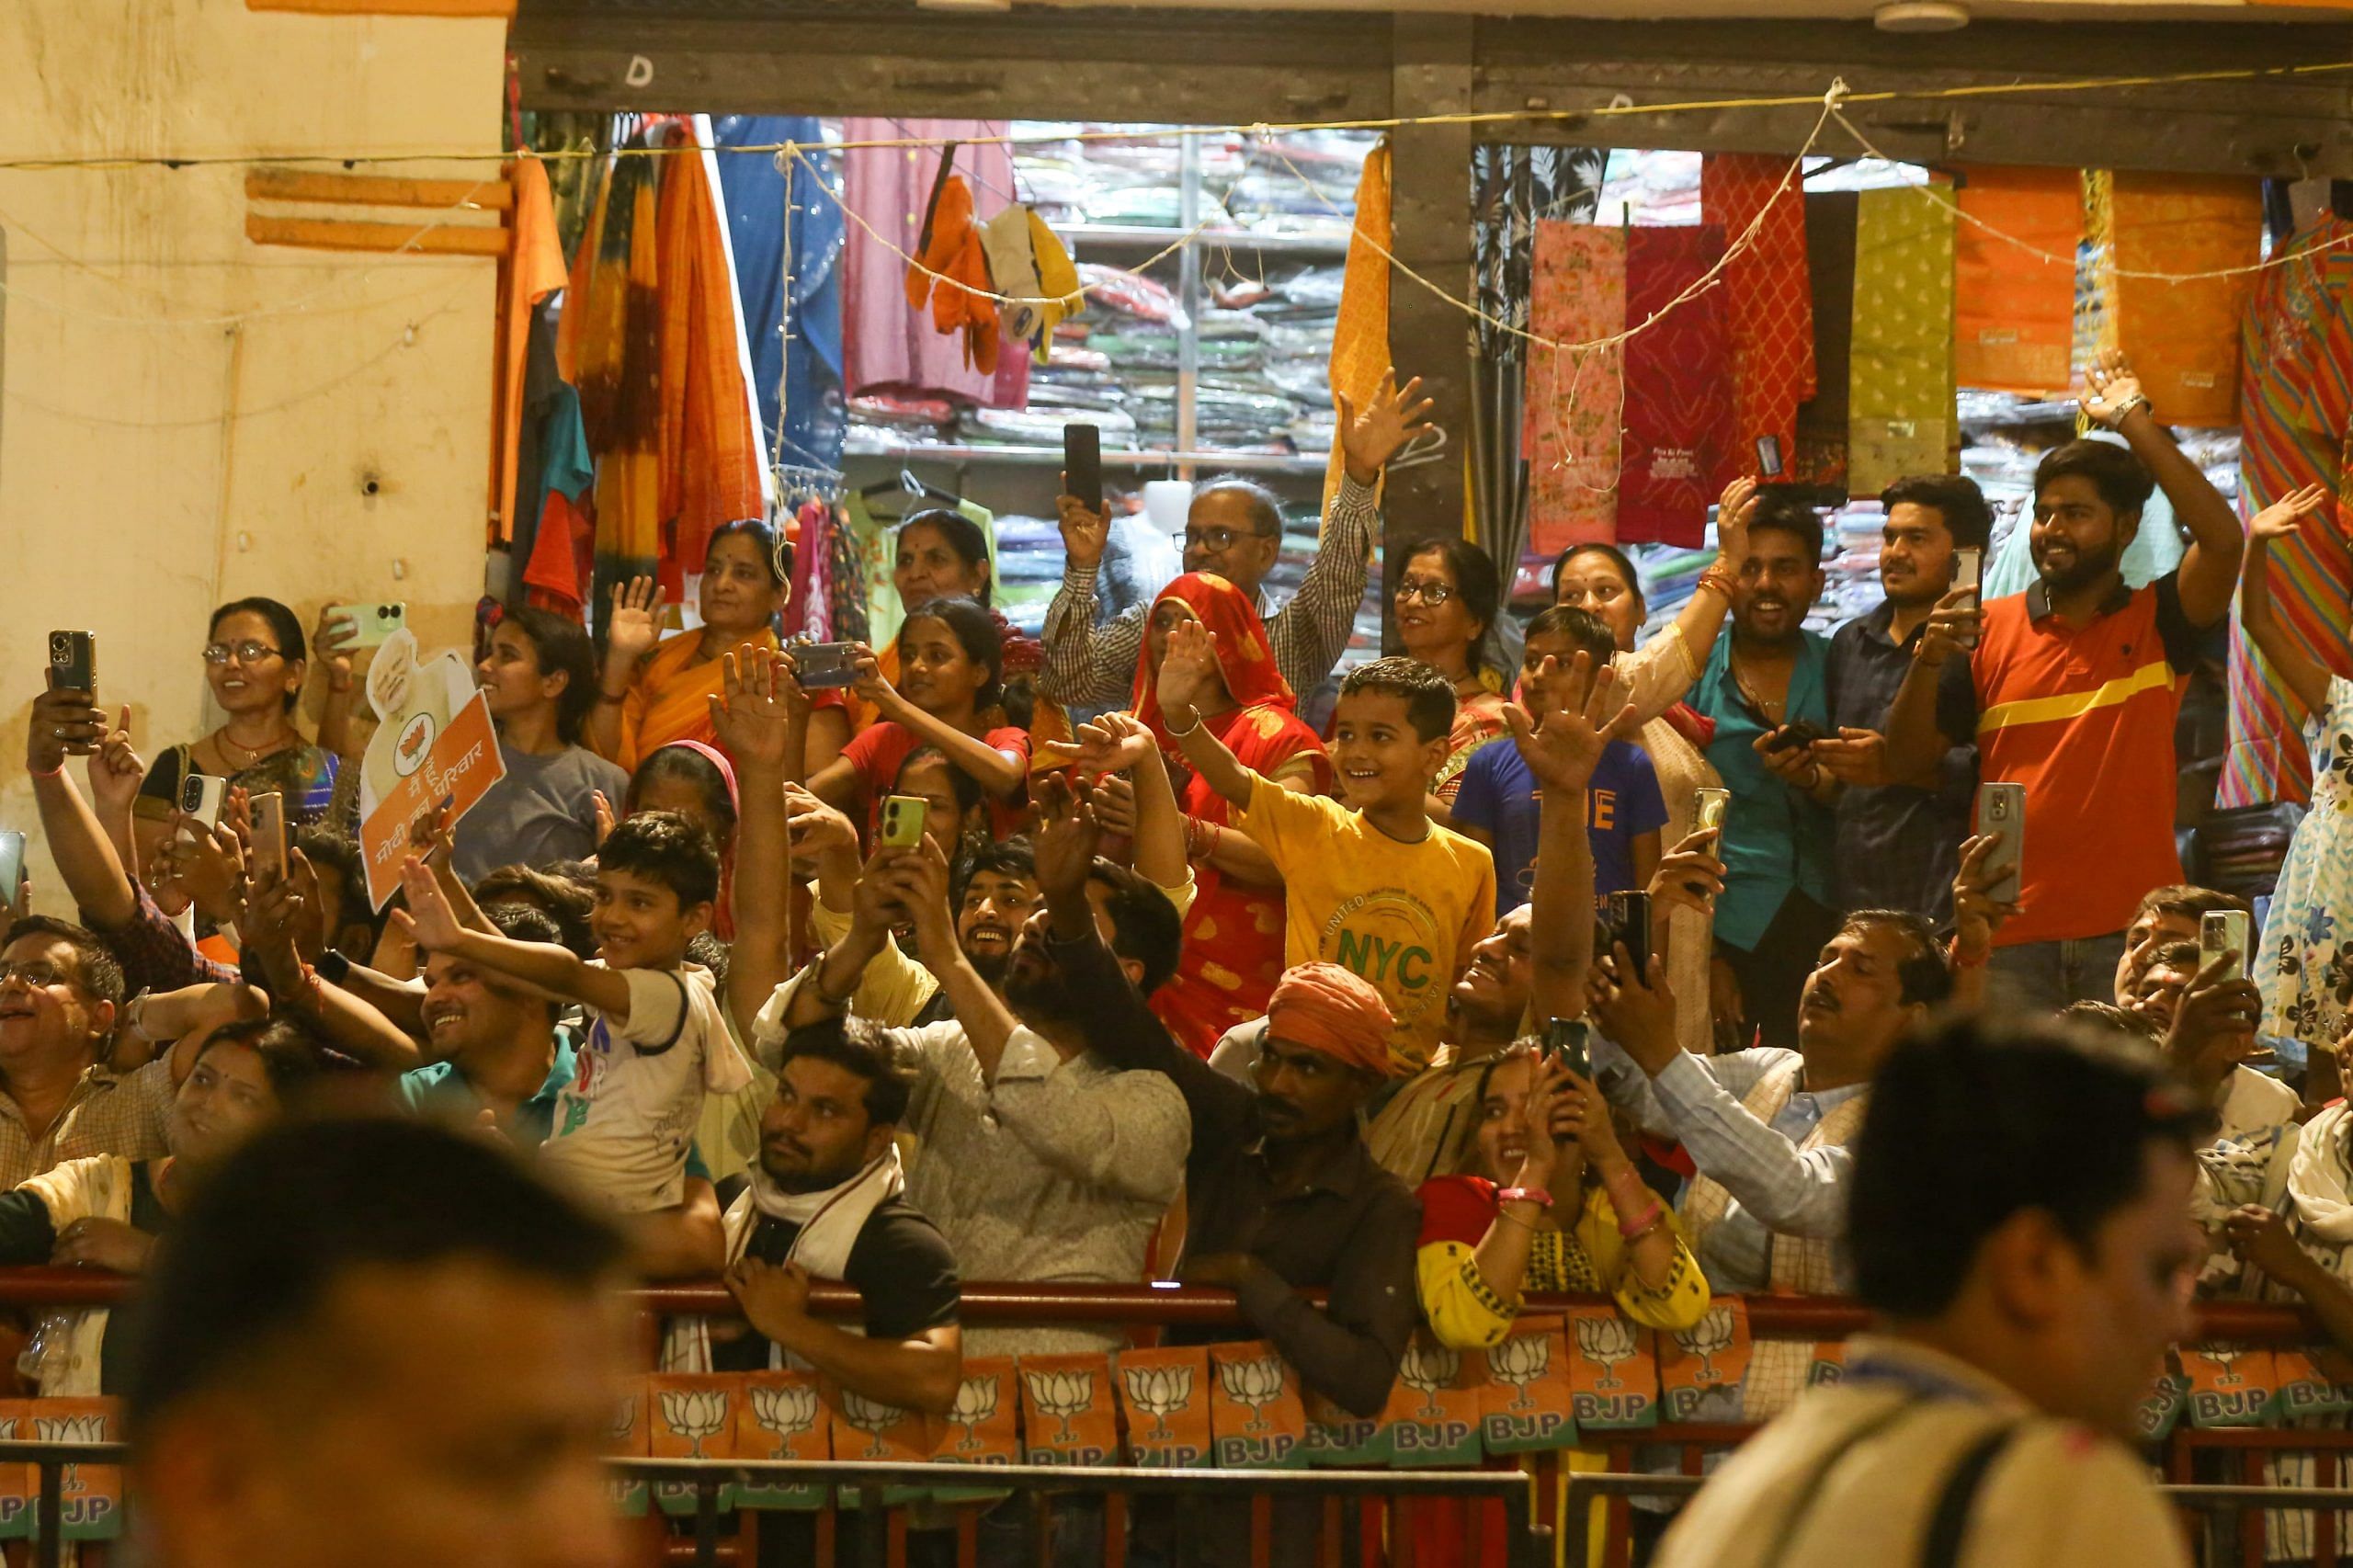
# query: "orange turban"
{"type": "Point", "coordinates": [1330, 1009]}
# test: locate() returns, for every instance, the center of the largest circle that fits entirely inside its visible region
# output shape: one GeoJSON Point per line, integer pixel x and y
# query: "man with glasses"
{"type": "Point", "coordinates": [1235, 529]}
{"type": "Point", "coordinates": [60, 993]}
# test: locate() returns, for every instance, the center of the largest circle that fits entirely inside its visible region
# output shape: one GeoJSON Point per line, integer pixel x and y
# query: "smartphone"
{"type": "Point", "coordinates": [1567, 1041]}
{"type": "Point", "coordinates": [1083, 465]}
{"type": "Point", "coordinates": [1968, 567]}
{"type": "Point", "coordinates": [11, 865]}
{"type": "Point", "coordinates": [269, 834]}
{"type": "Point", "coordinates": [202, 797]}
{"type": "Point", "coordinates": [73, 662]}
{"type": "Point", "coordinates": [1800, 732]}
{"type": "Point", "coordinates": [2001, 815]}
{"type": "Point", "coordinates": [371, 623]}
{"type": "Point", "coordinates": [1709, 807]}
{"type": "Point", "coordinates": [1768, 457]}
{"type": "Point", "coordinates": [822, 667]}
{"type": "Point", "coordinates": [1630, 922]}
{"type": "Point", "coordinates": [902, 821]}
{"type": "Point", "coordinates": [2223, 932]}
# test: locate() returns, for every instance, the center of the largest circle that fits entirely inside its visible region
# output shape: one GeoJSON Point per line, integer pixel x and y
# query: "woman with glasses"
{"type": "Point", "coordinates": [1447, 597]}
{"type": "Point", "coordinates": [254, 661]}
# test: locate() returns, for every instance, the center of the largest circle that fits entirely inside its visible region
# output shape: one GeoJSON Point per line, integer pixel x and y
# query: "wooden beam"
{"type": "Point", "coordinates": [491, 193]}
{"type": "Point", "coordinates": [504, 9]}
{"type": "Point", "coordinates": [332, 233]}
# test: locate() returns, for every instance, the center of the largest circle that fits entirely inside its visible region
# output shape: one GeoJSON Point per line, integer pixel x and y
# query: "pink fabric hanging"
{"type": "Point", "coordinates": [1571, 426]}
{"type": "Point", "coordinates": [1679, 419]}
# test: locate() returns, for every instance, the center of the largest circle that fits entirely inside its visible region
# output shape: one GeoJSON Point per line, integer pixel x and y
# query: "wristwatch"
{"type": "Point", "coordinates": [2139, 399]}
{"type": "Point", "coordinates": [1536, 1194]}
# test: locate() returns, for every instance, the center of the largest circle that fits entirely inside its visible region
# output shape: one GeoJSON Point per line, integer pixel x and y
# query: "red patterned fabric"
{"type": "Point", "coordinates": [1577, 294]}
{"type": "Point", "coordinates": [1678, 417]}
{"type": "Point", "coordinates": [1769, 295]}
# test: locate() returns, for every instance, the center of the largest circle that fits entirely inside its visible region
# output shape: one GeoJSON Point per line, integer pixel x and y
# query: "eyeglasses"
{"type": "Point", "coordinates": [1217, 539]}
{"type": "Point", "coordinates": [246, 653]}
{"type": "Point", "coordinates": [1429, 590]}
{"type": "Point", "coordinates": [40, 975]}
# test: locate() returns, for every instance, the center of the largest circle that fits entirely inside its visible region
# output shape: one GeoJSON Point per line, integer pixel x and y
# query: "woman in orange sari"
{"type": "Point", "coordinates": [1234, 936]}
{"type": "Point", "coordinates": [652, 695]}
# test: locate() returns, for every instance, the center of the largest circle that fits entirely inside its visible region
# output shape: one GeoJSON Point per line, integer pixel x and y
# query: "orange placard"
{"type": "Point", "coordinates": [779, 1416]}
{"type": "Point", "coordinates": [1256, 1418]}
{"type": "Point", "coordinates": [1526, 1404]}
{"type": "Point", "coordinates": [1167, 1394]}
{"type": "Point", "coordinates": [1341, 1440]}
{"type": "Point", "coordinates": [93, 1493]}
{"type": "Point", "coordinates": [1829, 1364]}
{"type": "Point", "coordinates": [626, 1439]}
{"type": "Point", "coordinates": [1613, 1374]}
{"type": "Point", "coordinates": [1068, 1413]}
{"type": "Point", "coordinates": [689, 1416]}
{"type": "Point", "coordinates": [433, 746]}
{"type": "Point", "coordinates": [1700, 1367]}
{"type": "Point", "coordinates": [2230, 1385]}
{"type": "Point", "coordinates": [1433, 1410]}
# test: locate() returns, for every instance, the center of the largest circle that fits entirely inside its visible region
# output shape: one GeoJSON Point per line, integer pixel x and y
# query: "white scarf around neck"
{"type": "Point", "coordinates": [830, 1219]}
{"type": "Point", "coordinates": [2316, 1177]}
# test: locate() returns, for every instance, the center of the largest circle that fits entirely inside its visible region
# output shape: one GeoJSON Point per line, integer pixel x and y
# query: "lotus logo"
{"type": "Point", "coordinates": [870, 1416]}
{"type": "Point", "coordinates": [694, 1415]}
{"type": "Point", "coordinates": [1709, 1338]}
{"type": "Point", "coordinates": [624, 1421]}
{"type": "Point", "coordinates": [2223, 1359]}
{"type": "Point", "coordinates": [1255, 1383]}
{"type": "Point", "coordinates": [1061, 1395]}
{"type": "Point", "coordinates": [1427, 1368]}
{"type": "Point", "coordinates": [1160, 1392]}
{"type": "Point", "coordinates": [975, 1403]}
{"type": "Point", "coordinates": [1608, 1340]}
{"type": "Point", "coordinates": [71, 1428]}
{"type": "Point", "coordinates": [788, 1412]}
{"type": "Point", "coordinates": [1519, 1361]}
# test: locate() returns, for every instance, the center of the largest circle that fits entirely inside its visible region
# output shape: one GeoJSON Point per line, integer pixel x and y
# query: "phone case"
{"type": "Point", "coordinates": [2001, 814]}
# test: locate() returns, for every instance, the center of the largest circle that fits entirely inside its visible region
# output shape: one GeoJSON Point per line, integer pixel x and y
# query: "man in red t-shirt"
{"type": "Point", "coordinates": [2078, 681]}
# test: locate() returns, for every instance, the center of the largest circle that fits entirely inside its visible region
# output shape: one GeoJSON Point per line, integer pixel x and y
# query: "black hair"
{"type": "Point", "coordinates": [860, 1048]}
{"type": "Point", "coordinates": [684, 765]}
{"type": "Point", "coordinates": [2110, 1018]}
{"type": "Point", "coordinates": [339, 853]}
{"type": "Point", "coordinates": [96, 971]}
{"type": "Point", "coordinates": [1145, 925]}
{"type": "Point", "coordinates": [961, 784]}
{"type": "Point", "coordinates": [963, 537]}
{"type": "Point", "coordinates": [1429, 696]}
{"type": "Point", "coordinates": [1985, 1116]}
{"type": "Point", "coordinates": [1476, 584]}
{"type": "Point", "coordinates": [2179, 953]}
{"type": "Point", "coordinates": [1264, 507]}
{"type": "Point", "coordinates": [1923, 977]}
{"type": "Point", "coordinates": [1588, 631]}
{"type": "Point", "coordinates": [1618, 558]}
{"type": "Point", "coordinates": [284, 625]}
{"type": "Point", "coordinates": [665, 847]}
{"type": "Point", "coordinates": [255, 1261]}
{"type": "Point", "coordinates": [705, 948]}
{"type": "Point", "coordinates": [1007, 858]}
{"type": "Point", "coordinates": [288, 1049]}
{"type": "Point", "coordinates": [975, 631]}
{"type": "Point", "coordinates": [2114, 471]}
{"type": "Point", "coordinates": [521, 923]}
{"type": "Point", "coordinates": [2189, 901]}
{"type": "Point", "coordinates": [567, 903]}
{"type": "Point", "coordinates": [1778, 506]}
{"type": "Point", "coordinates": [775, 554]}
{"type": "Point", "coordinates": [561, 647]}
{"type": "Point", "coordinates": [1952, 496]}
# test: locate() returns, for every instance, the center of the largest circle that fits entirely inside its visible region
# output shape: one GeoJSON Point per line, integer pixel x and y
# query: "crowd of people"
{"type": "Point", "coordinates": [1094, 961]}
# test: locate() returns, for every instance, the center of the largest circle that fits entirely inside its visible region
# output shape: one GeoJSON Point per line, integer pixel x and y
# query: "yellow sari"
{"type": "Point", "coordinates": [670, 697]}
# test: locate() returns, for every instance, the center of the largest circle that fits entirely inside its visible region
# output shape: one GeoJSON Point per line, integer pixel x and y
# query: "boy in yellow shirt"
{"type": "Point", "coordinates": [1372, 883]}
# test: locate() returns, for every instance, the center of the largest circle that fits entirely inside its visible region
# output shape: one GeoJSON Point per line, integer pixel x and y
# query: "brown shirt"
{"type": "Point", "coordinates": [109, 1113]}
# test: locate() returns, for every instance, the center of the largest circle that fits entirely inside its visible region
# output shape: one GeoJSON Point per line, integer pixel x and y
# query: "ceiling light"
{"type": "Point", "coordinates": [1920, 17]}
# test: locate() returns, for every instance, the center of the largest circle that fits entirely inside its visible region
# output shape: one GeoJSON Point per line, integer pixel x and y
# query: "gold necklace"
{"type": "Point", "coordinates": [252, 754]}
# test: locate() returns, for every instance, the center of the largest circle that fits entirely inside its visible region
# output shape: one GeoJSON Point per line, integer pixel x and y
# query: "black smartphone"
{"type": "Point", "coordinates": [1567, 1041]}
{"type": "Point", "coordinates": [1083, 465]}
{"type": "Point", "coordinates": [73, 662]}
{"type": "Point", "coordinates": [1798, 732]}
{"type": "Point", "coordinates": [1630, 922]}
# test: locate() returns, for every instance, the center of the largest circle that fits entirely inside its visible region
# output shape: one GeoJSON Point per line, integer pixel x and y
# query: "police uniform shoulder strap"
{"type": "Point", "coordinates": [1949, 1523]}
{"type": "Point", "coordinates": [1811, 1492]}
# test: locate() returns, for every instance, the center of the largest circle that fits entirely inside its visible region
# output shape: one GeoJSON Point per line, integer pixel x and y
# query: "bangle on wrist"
{"type": "Point", "coordinates": [47, 772]}
{"type": "Point", "coordinates": [1719, 577]}
{"type": "Point", "coordinates": [1176, 733]}
{"type": "Point", "coordinates": [1644, 1224]}
{"type": "Point", "coordinates": [2138, 401]}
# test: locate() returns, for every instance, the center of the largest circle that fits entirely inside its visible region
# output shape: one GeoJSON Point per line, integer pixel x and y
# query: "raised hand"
{"type": "Point", "coordinates": [1639, 1018]}
{"type": "Point", "coordinates": [870, 686]}
{"type": "Point", "coordinates": [429, 917]}
{"type": "Point", "coordinates": [1065, 838]}
{"type": "Point", "coordinates": [2214, 1024]}
{"type": "Point", "coordinates": [632, 628]}
{"type": "Point", "coordinates": [2285, 515]}
{"type": "Point", "coordinates": [1563, 747]}
{"type": "Point", "coordinates": [814, 828]}
{"type": "Point", "coordinates": [116, 770]}
{"type": "Point", "coordinates": [1084, 533]}
{"type": "Point", "coordinates": [1370, 435]}
{"type": "Point", "coordinates": [331, 644]}
{"type": "Point", "coordinates": [64, 723]}
{"type": "Point", "coordinates": [275, 909]}
{"type": "Point", "coordinates": [1735, 509]}
{"type": "Point", "coordinates": [605, 815]}
{"type": "Point", "coordinates": [207, 864]}
{"type": "Point", "coordinates": [1115, 805]}
{"type": "Point", "coordinates": [1115, 743]}
{"type": "Point", "coordinates": [1691, 874]}
{"type": "Point", "coordinates": [1583, 1114]}
{"type": "Point", "coordinates": [1188, 668]}
{"type": "Point", "coordinates": [1952, 627]}
{"type": "Point", "coordinates": [2110, 388]}
{"type": "Point", "coordinates": [753, 714]}
{"type": "Point", "coordinates": [1975, 914]}
{"type": "Point", "coordinates": [1546, 1086]}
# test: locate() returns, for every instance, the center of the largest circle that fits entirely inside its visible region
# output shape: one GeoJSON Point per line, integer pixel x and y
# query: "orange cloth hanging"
{"type": "Point", "coordinates": [959, 297]}
{"type": "Point", "coordinates": [711, 455]}
{"type": "Point", "coordinates": [2182, 338]}
{"type": "Point", "coordinates": [533, 272]}
{"type": "Point", "coordinates": [1360, 336]}
{"type": "Point", "coordinates": [2014, 313]}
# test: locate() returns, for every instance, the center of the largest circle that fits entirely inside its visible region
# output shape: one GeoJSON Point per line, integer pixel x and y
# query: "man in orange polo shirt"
{"type": "Point", "coordinates": [2078, 681]}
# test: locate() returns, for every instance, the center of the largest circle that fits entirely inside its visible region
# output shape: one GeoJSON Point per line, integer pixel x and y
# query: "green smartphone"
{"type": "Point", "coordinates": [902, 821]}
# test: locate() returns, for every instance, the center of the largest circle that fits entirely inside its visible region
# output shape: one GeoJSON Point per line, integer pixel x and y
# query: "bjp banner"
{"type": "Point", "coordinates": [2313, 1380]}
{"type": "Point", "coordinates": [1433, 1411]}
{"type": "Point", "coordinates": [1829, 1364]}
{"type": "Point", "coordinates": [1613, 1375]}
{"type": "Point", "coordinates": [434, 747]}
{"type": "Point", "coordinates": [983, 1427]}
{"type": "Point", "coordinates": [2230, 1385]}
{"type": "Point", "coordinates": [626, 1438]}
{"type": "Point", "coordinates": [1167, 1394]}
{"type": "Point", "coordinates": [1256, 1417]}
{"type": "Point", "coordinates": [1526, 1404]}
{"type": "Point", "coordinates": [18, 1482]}
{"type": "Point", "coordinates": [1338, 1438]}
{"type": "Point", "coordinates": [779, 1416]}
{"type": "Point", "coordinates": [1068, 1416]}
{"type": "Point", "coordinates": [93, 1493]}
{"type": "Point", "coordinates": [1700, 1367]}
{"type": "Point", "coordinates": [869, 1430]}
{"type": "Point", "coordinates": [691, 1416]}
{"type": "Point", "coordinates": [2160, 1411]}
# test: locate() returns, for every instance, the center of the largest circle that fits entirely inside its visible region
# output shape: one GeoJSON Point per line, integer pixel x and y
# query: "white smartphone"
{"type": "Point", "coordinates": [2223, 933]}
{"type": "Point", "coordinates": [2001, 815]}
{"type": "Point", "coordinates": [202, 796]}
{"type": "Point", "coordinates": [12, 864]}
{"type": "Point", "coordinates": [1968, 573]}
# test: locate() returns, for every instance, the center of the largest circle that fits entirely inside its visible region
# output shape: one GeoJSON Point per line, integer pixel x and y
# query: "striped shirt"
{"type": "Point", "coordinates": [107, 1113]}
{"type": "Point", "coordinates": [1087, 667]}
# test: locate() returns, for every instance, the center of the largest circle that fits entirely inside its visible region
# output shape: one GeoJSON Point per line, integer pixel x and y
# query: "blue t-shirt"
{"type": "Point", "coordinates": [1500, 797]}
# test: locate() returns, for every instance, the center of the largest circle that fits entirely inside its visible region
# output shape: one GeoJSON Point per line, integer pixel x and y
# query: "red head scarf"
{"type": "Point", "coordinates": [1244, 655]}
{"type": "Point", "coordinates": [1334, 1011]}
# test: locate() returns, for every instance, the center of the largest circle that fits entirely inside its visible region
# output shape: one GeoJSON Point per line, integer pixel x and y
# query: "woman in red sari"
{"type": "Point", "coordinates": [1234, 937]}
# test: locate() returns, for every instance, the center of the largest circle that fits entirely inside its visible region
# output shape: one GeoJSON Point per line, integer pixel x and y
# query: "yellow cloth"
{"type": "Point", "coordinates": [670, 699]}
{"type": "Point", "coordinates": [1360, 336]}
{"type": "Point", "coordinates": [1057, 280]}
{"type": "Point", "coordinates": [1404, 916]}
{"type": "Point", "coordinates": [1899, 387]}
{"type": "Point", "coordinates": [1466, 1313]}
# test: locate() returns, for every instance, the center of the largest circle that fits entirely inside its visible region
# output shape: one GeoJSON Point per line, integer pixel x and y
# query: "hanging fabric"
{"type": "Point", "coordinates": [557, 573]}
{"type": "Point", "coordinates": [1360, 335]}
{"type": "Point", "coordinates": [610, 347]}
{"type": "Point", "coordinates": [2182, 337]}
{"type": "Point", "coordinates": [1820, 462]}
{"type": "Point", "coordinates": [534, 270]}
{"type": "Point", "coordinates": [952, 272]}
{"type": "Point", "coordinates": [1768, 298]}
{"type": "Point", "coordinates": [1678, 420]}
{"type": "Point", "coordinates": [1899, 388]}
{"type": "Point", "coordinates": [2296, 350]}
{"type": "Point", "coordinates": [796, 344]}
{"type": "Point", "coordinates": [2014, 311]}
{"type": "Point", "coordinates": [1574, 400]}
